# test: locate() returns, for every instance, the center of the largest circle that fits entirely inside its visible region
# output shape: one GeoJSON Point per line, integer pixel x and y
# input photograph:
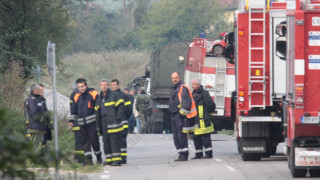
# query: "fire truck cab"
{"type": "Point", "coordinates": [260, 78]}
{"type": "Point", "coordinates": [299, 44]}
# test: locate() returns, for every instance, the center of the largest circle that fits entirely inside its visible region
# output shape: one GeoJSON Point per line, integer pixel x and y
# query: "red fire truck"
{"type": "Point", "coordinates": [299, 44]}
{"type": "Point", "coordinates": [216, 75]}
{"type": "Point", "coordinates": [260, 78]}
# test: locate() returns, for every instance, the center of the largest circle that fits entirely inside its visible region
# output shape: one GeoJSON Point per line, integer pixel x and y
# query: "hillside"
{"type": "Point", "coordinates": [123, 65]}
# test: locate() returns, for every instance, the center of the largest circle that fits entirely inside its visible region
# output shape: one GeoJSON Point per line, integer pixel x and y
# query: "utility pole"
{"type": "Point", "coordinates": [51, 62]}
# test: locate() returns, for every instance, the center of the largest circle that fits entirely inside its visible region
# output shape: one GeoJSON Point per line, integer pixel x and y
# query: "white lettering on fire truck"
{"type": "Point", "coordinates": [253, 148]}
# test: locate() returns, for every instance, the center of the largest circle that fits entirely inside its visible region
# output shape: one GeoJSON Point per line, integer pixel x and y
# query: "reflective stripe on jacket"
{"type": "Point", "coordinates": [193, 110]}
{"type": "Point", "coordinates": [113, 107]}
{"type": "Point", "coordinates": [82, 107]}
{"type": "Point", "coordinates": [205, 106]}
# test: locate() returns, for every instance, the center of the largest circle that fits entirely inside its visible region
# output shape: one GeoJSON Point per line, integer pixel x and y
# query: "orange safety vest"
{"type": "Point", "coordinates": [193, 111]}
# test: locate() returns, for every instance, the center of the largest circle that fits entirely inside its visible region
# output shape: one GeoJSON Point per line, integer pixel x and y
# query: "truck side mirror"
{"type": "Point", "coordinates": [281, 29]}
{"type": "Point", "coordinates": [281, 47]}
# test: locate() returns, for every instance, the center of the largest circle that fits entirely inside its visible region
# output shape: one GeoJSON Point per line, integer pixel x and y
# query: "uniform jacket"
{"type": "Point", "coordinates": [75, 123]}
{"type": "Point", "coordinates": [36, 114]}
{"type": "Point", "coordinates": [205, 106]}
{"type": "Point", "coordinates": [82, 107]}
{"type": "Point", "coordinates": [110, 109]}
{"type": "Point", "coordinates": [142, 102]}
{"type": "Point", "coordinates": [185, 106]}
{"type": "Point", "coordinates": [128, 108]}
{"type": "Point", "coordinates": [174, 100]}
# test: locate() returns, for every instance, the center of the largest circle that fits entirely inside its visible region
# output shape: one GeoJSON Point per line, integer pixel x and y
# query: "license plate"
{"type": "Point", "coordinates": [307, 156]}
{"type": "Point", "coordinates": [162, 106]}
{"type": "Point", "coordinates": [310, 120]}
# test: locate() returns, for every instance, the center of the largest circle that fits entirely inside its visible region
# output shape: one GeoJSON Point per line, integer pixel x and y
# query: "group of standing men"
{"type": "Point", "coordinates": [106, 114]}
{"type": "Point", "coordinates": [191, 113]}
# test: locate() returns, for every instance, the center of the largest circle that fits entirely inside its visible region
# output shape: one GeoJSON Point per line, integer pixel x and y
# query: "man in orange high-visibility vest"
{"type": "Point", "coordinates": [182, 110]}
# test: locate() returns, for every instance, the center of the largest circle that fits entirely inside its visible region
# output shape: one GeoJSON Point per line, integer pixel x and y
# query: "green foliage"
{"type": "Point", "coordinates": [12, 87]}
{"type": "Point", "coordinates": [27, 26]}
{"type": "Point", "coordinates": [181, 20]}
{"type": "Point", "coordinates": [16, 152]}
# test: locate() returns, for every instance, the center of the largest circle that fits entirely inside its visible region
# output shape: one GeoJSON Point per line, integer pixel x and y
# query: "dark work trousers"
{"type": "Point", "coordinates": [203, 142]}
{"type": "Point", "coordinates": [111, 146]}
{"type": "Point", "coordinates": [180, 139]}
{"type": "Point", "coordinates": [124, 135]}
{"type": "Point", "coordinates": [132, 122]}
{"type": "Point", "coordinates": [78, 149]}
{"type": "Point", "coordinates": [89, 136]}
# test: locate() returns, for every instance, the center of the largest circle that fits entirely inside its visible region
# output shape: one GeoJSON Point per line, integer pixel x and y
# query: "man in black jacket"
{"type": "Point", "coordinates": [83, 111]}
{"type": "Point", "coordinates": [110, 108]}
{"type": "Point", "coordinates": [125, 116]}
{"type": "Point", "coordinates": [36, 114]}
{"type": "Point", "coordinates": [182, 109]}
{"type": "Point", "coordinates": [203, 124]}
{"type": "Point", "coordinates": [49, 127]}
{"type": "Point", "coordinates": [78, 149]}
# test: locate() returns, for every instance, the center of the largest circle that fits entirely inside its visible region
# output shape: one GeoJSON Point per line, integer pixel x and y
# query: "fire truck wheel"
{"type": "Point", "coordinates": [314, 172]}
{"type": "Point", "coordinates": [273, 150]}
{"type": "Point", "coordinates": [157, 128]}
{"type": "Point", "coordinates": [218, 50]}
{"type": "Point", "coordinates": [250, 157]}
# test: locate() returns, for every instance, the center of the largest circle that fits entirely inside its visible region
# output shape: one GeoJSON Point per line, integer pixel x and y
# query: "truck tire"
{"type": "Point", "coordinates": [157, 128]}
{"type": "Point", "coordinates": [314, 172]}
{"type": "Point", "coordinates": [273, 150]}
{"type": "Point", "coordinates": [218, 50]}
{"type": "Point", "coordinates": [294, 171]}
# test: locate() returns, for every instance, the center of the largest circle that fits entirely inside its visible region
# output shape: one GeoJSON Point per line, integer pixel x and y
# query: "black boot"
{"type": "Point", "coordinates": [207, 156]}
{"type": "Point", "coordinates": [117, 163]}
{"type": "Point", "coordinates": [80, 158]}
{"type": "Point", "coordinates": [88, 160]}
{"type": "Point", "coordinates": [197, 156]}
{"type": "Point", "coordinates": [182, 158]}
{"type": "Point", "coordinates": [124, 161]}
{"type": "Point", "coordinates": [99, 159]}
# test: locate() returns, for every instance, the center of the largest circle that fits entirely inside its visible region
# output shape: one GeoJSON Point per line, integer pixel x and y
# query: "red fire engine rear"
{"type": "Point", "coordinates": [301, 39]}
{"type": "Point", "coordinates": [260, 79]}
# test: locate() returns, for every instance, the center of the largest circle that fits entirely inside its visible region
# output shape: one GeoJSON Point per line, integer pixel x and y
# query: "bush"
{"type": "Point", "coordinates": [16, 152]}
{"type": "Point", "coordinates": [12, 87]}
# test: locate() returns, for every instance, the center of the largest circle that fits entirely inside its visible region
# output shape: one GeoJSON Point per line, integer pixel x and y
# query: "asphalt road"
{"type": "Point", "coordinates": [150, 157]}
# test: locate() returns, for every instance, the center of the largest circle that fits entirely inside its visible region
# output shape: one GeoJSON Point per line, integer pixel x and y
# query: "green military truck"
{"type": "Point", "coordinates": [164, 61]}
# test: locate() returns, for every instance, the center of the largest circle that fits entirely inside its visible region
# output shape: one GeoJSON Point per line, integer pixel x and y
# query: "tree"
{"type": "Point", "coordinates": [25, 28]}
{"type": "Point", "coordinates": [180, 20]}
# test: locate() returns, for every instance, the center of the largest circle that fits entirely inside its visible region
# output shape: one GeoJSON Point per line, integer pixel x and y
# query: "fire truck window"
{"type": "Point", "coordinates": [281, 47]}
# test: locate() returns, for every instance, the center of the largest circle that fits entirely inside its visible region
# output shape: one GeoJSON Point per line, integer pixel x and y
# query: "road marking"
{"type": "Point", "coordinates": [218, 160]}
{"type": "Point", "coordinates": [231, 169]}
{"type": "Point", "coordinates": [105, 176]}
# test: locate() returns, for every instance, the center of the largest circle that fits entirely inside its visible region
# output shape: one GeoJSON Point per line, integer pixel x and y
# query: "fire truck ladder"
{"type": "Point", "coordinates": [255, 64]}
{"type": "Point", "coordinates": [220, 84]}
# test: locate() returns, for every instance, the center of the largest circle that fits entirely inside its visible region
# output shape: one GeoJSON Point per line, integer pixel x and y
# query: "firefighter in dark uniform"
{"type": "Point", "coordinates": [125, 116]}
{"type": "Point", "coordinates": [110, 108]}
{"type": "Point", "coordinates": [182, 110]}
{"type": "Point", "coordinates": [83, 111]}
{"type": "Point", "coordinates": [49, 127]}
{"type": "Point", "coordinates": [78, 149]}
{"type": "Point", "coordinates": [37, 121]}
{"type": "Point", "coordinates": [203, 124]}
